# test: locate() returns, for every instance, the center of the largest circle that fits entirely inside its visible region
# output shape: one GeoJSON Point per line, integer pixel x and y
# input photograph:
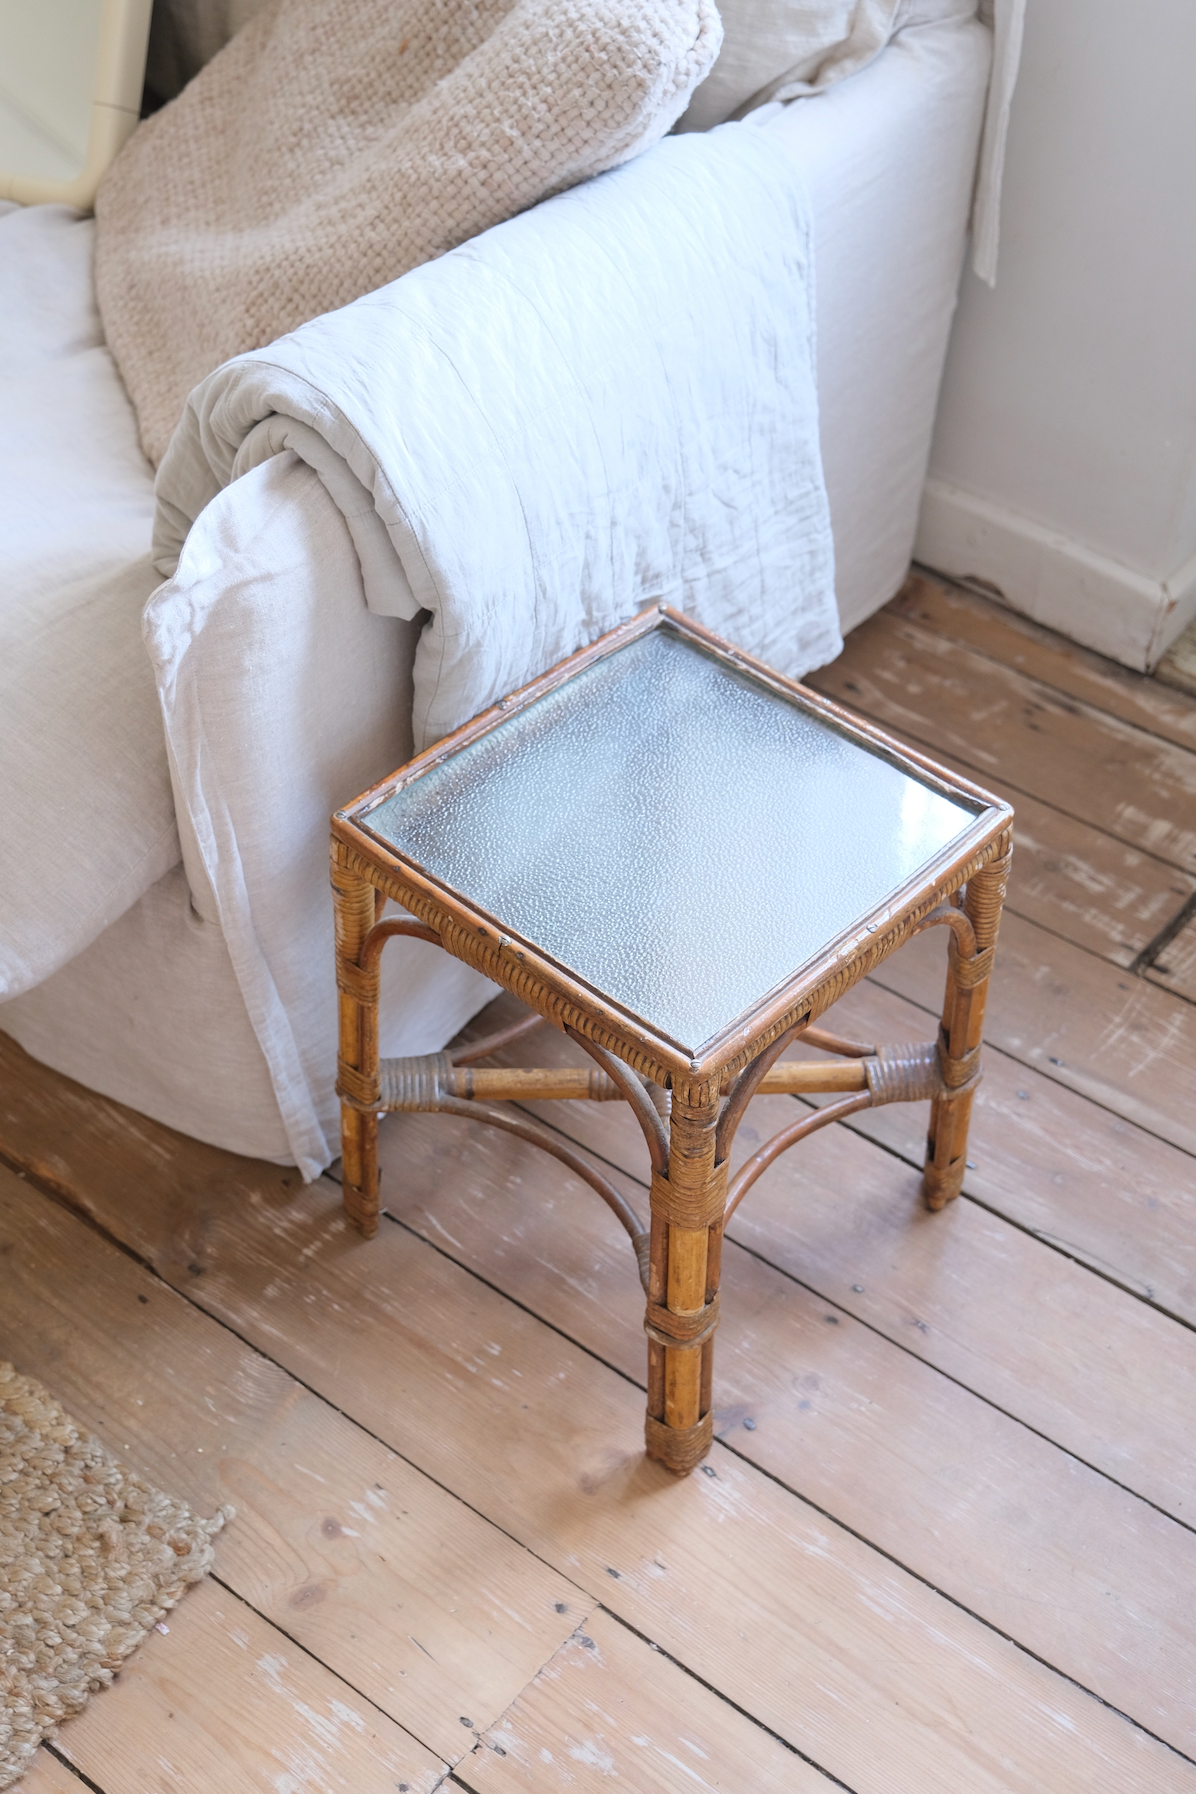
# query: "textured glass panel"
{"type": "Point", "coordinates": [681, 837]}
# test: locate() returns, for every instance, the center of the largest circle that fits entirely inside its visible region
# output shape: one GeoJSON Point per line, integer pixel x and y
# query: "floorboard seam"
{"type": "Point", "coordinates": [1138, 967]}
{"type": "Point", "coordinates": [779, 1738]}
{"type": "Point", "coordinates": [600, 1606]}
{"type": "Point", "coordinates": [980, 773]}
{"type": "Point", "coordinates": [976, 1394]}
{"type": "Point", "coordinates": [55, 1750]}
{"type": "Point", "coordinates": [832, 1301]}
{"type": "Point", "coordinates": [1060, 692]}
{"type": "Point", "coordinates": [929, 574]}
{"type": "Point", "coordinates": [336, 1674]}
{"type": "Point", "coordinates": [32, 1173]}
{"type": "Point", "coordinates": [506, 1296]}
{"type": "Point", "coordinates": [989, 1625]}
{"type": "Point", "coordinates": [1131, 970]}
{"type": "Point", "coordinates": [1146, 960]}
{"type": "Point", "coordinates": [577, 1632]}
{"type": "Point", "coordinates": [1048, 1242]}
{"type": "Point", "coordinates": [458, 1774]}
{"type": "Point", "coordinates": [1179, 996]}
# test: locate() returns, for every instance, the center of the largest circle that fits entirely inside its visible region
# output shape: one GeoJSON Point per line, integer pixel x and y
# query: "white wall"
{"type": "Point", "coordinates": [1063, 469]}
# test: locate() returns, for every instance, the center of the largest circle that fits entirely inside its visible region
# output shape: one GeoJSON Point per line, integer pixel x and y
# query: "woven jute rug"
{"type": "Point", "coordinates": [91, 1558]}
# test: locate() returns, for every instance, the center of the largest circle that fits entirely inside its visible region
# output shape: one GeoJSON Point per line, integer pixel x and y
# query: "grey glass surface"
{"type": "Point", "coordinates": [681, 837]}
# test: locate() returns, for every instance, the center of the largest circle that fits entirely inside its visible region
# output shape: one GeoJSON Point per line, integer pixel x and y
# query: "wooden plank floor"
{"type": "Point", "coordinates": [946, 1539]}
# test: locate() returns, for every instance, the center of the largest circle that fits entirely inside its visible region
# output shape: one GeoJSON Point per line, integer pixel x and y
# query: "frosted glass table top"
{"type": "Point", "coordinates": [676, 834]}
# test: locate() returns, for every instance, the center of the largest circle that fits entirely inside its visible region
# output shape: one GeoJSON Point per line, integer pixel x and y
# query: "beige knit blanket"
{"type": "Point", "coordinates": [335, 144]}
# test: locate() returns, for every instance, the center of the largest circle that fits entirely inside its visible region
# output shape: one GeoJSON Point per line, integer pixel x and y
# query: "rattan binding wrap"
{"type": "Point", "coordinates": [903, 1074]}
{"type": "Point", "coordinates": [361, 1090]}
{"type": "Point", "coordinates": [694, 1207]}
{"type": "Point", "coordinates": [958, 1071]}
{"type": "Point", "coordinates": [362, 983]}
{"type": "Point", "coordinates": [683, 1332]}
{"type": "Point", "coordinates": [416, 1083]}
{"type": "Point", "coordinates": [680, 1449]}
{"type": "Point", "coordinates": [941, 1184]}
{"type": "Point", "coordinates": [970, 972]}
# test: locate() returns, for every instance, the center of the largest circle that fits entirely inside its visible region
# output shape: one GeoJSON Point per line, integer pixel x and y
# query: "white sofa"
{"type": "Point", "coordinates": [137, 995]}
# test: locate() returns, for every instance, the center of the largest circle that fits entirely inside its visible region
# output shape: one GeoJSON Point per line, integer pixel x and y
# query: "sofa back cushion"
{"type": "Point", "coordinates": [780, 49]}
{"type": "Point", "coordinates": [184, 34]}
{"type": "Point", "coordinates": [329, 148]}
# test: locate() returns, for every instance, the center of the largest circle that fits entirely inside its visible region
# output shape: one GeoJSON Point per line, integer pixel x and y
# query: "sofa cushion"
{"type": "Point", "coordinates": [86, 814]}
{"type": "Point", "coordinates": [326, 150]}
{"type": "Point", "coordinates": [184, 35]}
{"type": "Point", "coordinates": [780, 49]}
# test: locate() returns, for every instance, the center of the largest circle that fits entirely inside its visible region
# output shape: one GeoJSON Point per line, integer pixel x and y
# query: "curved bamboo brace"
{"type": "Point", "coordinates": [834, 1043]}
{"type": "Point", "coordinates": [381, 932]}
{"type": "Point", "coordinates": [957, 921]}
{"type": "Point", "coordinates": [772, 1149]}
{"type": "Point", "coordinates": [494, 1043]}
{"type": "Point", "coordinates": [745, 1087]}
{"type": "Point", "coordinates": [636, 1093]}
{"type": "Point", "coordinates": [538, 1136]}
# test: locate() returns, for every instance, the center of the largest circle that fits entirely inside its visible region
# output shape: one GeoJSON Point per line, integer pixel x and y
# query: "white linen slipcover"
{"type": "Point", "coordinates": [295, 694]}
{"type": "Point", "coordinates": [785, 49]}
{"type": "Point", "coordinates": [1007, 18]}
{"type": "Point", "coordinates": [86, 814]}
{"type": "Point", "coordinates": [888, 160]}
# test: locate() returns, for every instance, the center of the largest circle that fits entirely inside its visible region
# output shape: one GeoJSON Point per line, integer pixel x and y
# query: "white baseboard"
{"type": "Point", "coordinates": [1083, 594]}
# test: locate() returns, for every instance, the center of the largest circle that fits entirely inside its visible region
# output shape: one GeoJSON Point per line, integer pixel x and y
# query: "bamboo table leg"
{"type": "Point", "coordinates": [357, 997]}
{"type": "Point", "coordinates": [960, 1035]}
{"type": "Point", "coordinates": [682, 1314]}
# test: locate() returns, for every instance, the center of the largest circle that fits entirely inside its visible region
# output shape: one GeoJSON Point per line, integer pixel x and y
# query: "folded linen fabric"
{"type": "Point", "coordinates": [605, 401]}
{"type": "Point", "coordinates": [329, 148]}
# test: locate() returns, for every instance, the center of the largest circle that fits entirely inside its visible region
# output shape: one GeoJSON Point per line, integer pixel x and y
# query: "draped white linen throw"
{"type": "Point", "coordinates": [607, 401]}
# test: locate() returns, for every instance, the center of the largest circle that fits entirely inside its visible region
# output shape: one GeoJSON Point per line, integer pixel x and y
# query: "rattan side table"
{"type": "Point", "coordinates": [681, 859]}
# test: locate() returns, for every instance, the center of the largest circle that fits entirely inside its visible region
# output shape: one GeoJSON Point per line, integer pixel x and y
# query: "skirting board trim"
{"type": "Point", "coordinates": [1083, 594]}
